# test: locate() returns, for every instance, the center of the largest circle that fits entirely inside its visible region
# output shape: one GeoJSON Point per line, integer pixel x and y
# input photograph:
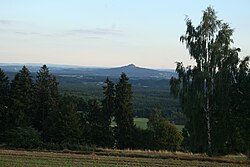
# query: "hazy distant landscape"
{"type": "Point", "coordinates": [151, 87]}
{"type": "Point", "coordinates": [80, 71]}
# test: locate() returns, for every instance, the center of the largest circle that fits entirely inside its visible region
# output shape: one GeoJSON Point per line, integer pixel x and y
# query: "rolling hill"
{"type": "Point", "coordinates": [131, 70]}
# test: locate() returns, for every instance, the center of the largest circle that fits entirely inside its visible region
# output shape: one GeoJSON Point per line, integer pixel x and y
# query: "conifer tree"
{"type": "Point", "coordinates": [96, 124]}
{"type": "Point", "coordinates": [4, 90]}
{"type": "Point", "coordinates": [124, 113]}
{"type": "Point", "coordinates": [108, 105]}
{"type": "Point", "coordinates": [22, 98]}
{"type": "Point", "coordinates": [66, 123]}
{"type": "Point", "coordinates": [4, 99]}
{"type": "Point", "coordinates": [46, 101]}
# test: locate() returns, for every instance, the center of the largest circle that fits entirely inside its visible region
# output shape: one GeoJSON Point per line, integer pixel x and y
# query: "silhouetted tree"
{"type": "Point", "coordinates": [66, 123]}
{"type": "Point", "coordinates": [124, 113]}
{"type": "Point", "coordinates": [240, 107]}
{"type": "Point", "coordinates": [4, 101]}
{"type": "Point", "coordinates": [46, 101]}
{"type": "Point", "coordinates": [21, 98]}
{"type": "Point", "coordinates": [204, 89]}
{"type": "Point", "coordinates": [108, 108]}
{"type": "Point", "coordinates": [96, 125]}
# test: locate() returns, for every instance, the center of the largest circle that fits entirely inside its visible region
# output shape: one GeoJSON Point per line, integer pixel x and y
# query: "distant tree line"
{"type": "Point", "coordinates": [34, 115]}
{"type": "Point", "coordinates": [145, 99]}
{"type": "Point", "coordinates": [215, 92]}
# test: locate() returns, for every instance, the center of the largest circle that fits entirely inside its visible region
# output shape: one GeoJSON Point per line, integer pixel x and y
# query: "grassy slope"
{"type": "Point", "coordinates": [111, 158]}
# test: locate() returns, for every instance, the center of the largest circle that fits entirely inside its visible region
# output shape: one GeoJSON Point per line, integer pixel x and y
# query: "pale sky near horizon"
{"type": "Point", "coordinates": [109, 33]}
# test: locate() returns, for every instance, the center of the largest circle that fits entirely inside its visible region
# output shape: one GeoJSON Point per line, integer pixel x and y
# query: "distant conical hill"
{"type": "Point", "coordinates": [131, 70]}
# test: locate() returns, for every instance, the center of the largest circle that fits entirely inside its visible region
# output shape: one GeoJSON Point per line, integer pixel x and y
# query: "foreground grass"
{"type": "Point", "coordinates": [113, 158]}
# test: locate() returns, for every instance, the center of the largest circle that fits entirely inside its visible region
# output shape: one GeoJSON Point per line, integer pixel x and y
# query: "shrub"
{"type": "Point", "coordinates": [24, 137]}
{"type": "Point", "coordinates": [142, 139]}
{"type": "Point", "coordinates": [52, 146]}
{"type": "Point", "coordinates": [164, 135]}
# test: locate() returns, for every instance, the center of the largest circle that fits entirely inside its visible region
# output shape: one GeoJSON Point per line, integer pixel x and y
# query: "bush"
{"type": "Point", "coordinates": [52, 146]}
{"type": "Point", "coordinates": [164, 135]}
{"type": "Point", "coordinates": [67, 146]}
{"type": "Point", "coordinates": [23, 137]}
{"type": "Point", "coordinates": [142, 139]}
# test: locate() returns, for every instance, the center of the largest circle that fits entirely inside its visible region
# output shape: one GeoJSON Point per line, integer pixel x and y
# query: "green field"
{"type": "Point", "coordinates": [114, 158]}
{"type": "Point", "coordinates": [142, 123]}
{"type": "Point", "coordinates": [180, 127]}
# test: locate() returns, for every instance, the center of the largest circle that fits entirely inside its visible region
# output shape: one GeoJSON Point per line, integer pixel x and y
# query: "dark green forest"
{"type": "Point", "coordinates": [148, 94]}
{"type": "Point", "coordinates": [35, 115]}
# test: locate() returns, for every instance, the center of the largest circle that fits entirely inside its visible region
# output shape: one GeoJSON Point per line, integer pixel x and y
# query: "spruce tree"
{"type": "Point", "coordinates": [4, 99]}
{"type": "Point", "coordinates": [46, 101]}
{"type": "Point", "coordinates": [66, 123]}
{"type": "Point", "coordinates": [94, 123]}
{"type": "Point", "coordinates": [124, 113]}
{"type": "Point", "coordinates": [108, 105]}
{"type": "Point", "coordinates": [4, 90]}
{"type": "Point", "coordinates": [21, 98]}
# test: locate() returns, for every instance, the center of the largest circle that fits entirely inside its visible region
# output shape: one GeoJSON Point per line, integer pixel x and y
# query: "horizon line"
{"type": "Point", "coordinates": [81, 66]}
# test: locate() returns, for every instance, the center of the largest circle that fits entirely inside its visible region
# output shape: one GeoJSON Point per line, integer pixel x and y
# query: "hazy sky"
{"type": "Point", "coordinates": [109, 32]}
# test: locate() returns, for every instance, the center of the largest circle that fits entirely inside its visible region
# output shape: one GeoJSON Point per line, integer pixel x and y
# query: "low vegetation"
{"type": "Point", "coordinates": [115, 158]}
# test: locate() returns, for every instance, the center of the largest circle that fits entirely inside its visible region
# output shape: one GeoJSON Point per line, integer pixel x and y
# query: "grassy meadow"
{"type": "Point", "coordinates": [114, 158]}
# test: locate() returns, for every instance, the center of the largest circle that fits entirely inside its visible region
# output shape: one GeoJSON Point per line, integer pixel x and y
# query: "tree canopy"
{"type": "Point", "coordinates": [205, 88]}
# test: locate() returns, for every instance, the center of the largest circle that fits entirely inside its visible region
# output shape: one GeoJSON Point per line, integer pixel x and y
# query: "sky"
{"type": "Point", "coordinates": [109, 33]}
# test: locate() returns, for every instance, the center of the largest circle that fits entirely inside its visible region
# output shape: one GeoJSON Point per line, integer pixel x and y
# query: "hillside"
{"type": "Point", "coordinates": [68, 71]}
{"type": "Point", "coordinates": [133, 71]}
